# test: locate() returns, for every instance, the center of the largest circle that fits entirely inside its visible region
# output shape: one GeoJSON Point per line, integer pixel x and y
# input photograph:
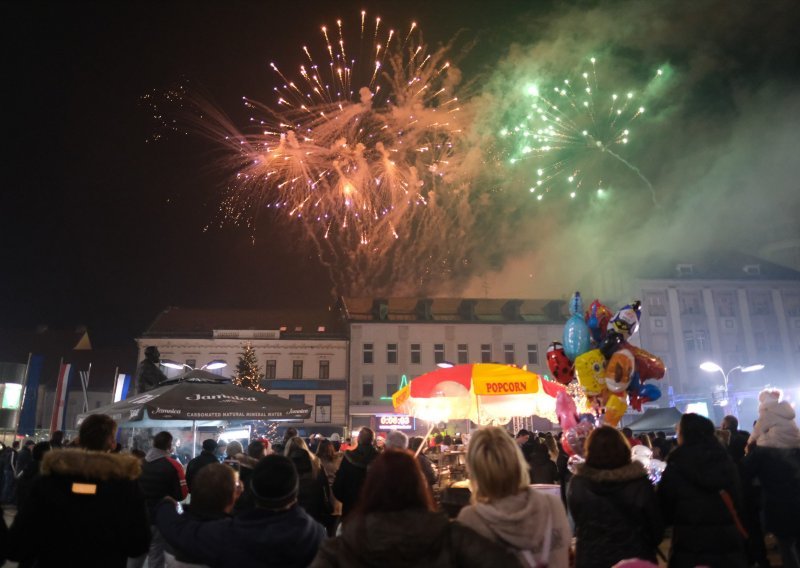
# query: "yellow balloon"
{"type": "Point", "coordinates": [615, 409]}
{"type": "Point", "coordinates": [590, 369]}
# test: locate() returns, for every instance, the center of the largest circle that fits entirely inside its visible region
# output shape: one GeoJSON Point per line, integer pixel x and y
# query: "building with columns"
{"type": "Point", "coordinates": [303, 353]}
{"type": "Point", "coordinates": [733, 311]}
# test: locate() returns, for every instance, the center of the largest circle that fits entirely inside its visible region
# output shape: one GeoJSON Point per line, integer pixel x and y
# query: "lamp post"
{"type": "Point", "coordinates": [711, 367]}
{"type": "Point", "coordinates": [211, 365]}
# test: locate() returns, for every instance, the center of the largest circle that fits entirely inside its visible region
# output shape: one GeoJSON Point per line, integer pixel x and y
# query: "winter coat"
{"type": "Point", "coordinates": [260, 537]}
{"type": "Point", "coordinates": [314, 490]}
{"type": "Point", "coordinates": [520, 522]}
{"type": "Point", "coordinates": [417, 538]}
{"type": "Point", "coordinates": [776, 426]}
{"type": "Point", "coordinates": [351, 476]}
{"type": "Point", "coordinates": [778, 470]}
{"type": "Point", "coordinates": [205, 458]}
{"type": "Point", "coordinates": [331, 467]}
{"type": "Point", "coordinates": [737, 445]}
{"type": "Point", "coordinates": [427, 469]}
{"type": "Point", "coordinates": [616, 515]}
{"type": "Point", "coordinates": [162, 476]}
{"type": "Point", "coordinates": [704, 531]}
{"type": "Point", "coordinates": [89, 506]}
{"type": "Point", "coordinates": [542, 468]}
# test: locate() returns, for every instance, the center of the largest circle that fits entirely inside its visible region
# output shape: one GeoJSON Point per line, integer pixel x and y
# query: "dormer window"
{"type": "Point", "coordinates": [685, 269]}
{"type": "Point", "coordinates": [752, 269]}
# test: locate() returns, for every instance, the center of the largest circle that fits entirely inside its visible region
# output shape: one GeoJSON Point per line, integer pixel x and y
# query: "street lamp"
{"type": "Point", "coordinates": [445, 364]}
{"type": "Point", "coordinates": [711, 367]}
{"type": "Point", "coordinates": [211, 365]}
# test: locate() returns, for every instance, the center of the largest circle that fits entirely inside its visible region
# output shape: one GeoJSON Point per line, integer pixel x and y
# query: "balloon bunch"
{"type": "Point", "coordinates": [610, 371]}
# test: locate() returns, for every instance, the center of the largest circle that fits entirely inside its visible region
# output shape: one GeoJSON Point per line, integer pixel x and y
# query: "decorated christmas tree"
{"type": "Point", "coordinates": [248, 371]}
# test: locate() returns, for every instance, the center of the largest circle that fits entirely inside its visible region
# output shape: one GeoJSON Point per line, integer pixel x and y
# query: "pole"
{"type": "Point", "coordinates": [194, 438]}
{"type": "Point", "coordinates": [24, 389]}
{"type": "Point", "coordinates": [116, 380]}
{"type": "Point", "coordinates": [85, 385]}
{"type": "Point", "coordinates": [425, 439]}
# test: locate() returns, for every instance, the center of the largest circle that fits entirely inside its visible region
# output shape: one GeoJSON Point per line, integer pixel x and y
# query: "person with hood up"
{"type": "Point", "coordinates": [277, 533]}
{"type": "Point", "coordinates": [613, 504]}
{"type": "Point", "coordinates": [85, 508]}
{"type": "Point", "coordinates": [506, 509]}
{"type": "Point", "coordinates": [776, 426]}
{"type": "Point", "coordinates": [700, 497]}
{"type": "Point", "coordinates": [353, 471]}
{"type": "Point", "coordinates": [396, 524]}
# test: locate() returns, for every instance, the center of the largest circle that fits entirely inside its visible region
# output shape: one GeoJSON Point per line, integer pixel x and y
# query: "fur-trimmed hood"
{"type": "Point", "coordinates": [633, 470]}
{"type": "Point", "coordinates": [99, 466]}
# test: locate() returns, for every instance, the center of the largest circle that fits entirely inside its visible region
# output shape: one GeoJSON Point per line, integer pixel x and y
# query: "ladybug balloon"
{"type": "Point", "coordinates": [559, 365]}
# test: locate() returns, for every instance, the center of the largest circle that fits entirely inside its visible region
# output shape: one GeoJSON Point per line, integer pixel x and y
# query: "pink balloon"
{"type": "Point", "coordinates": [566, 411]}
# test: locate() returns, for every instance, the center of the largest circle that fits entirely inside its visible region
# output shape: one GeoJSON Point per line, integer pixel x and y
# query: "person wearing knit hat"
{"type": "Point", "coordinates": [276, 533]}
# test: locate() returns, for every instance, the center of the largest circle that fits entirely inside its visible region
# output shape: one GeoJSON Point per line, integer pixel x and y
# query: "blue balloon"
{"type": "Point", "coordinates": [576, 337]}
{"type": "Point", "coordinates": [651, 392]}
{"type": "Point", "coordinates": [576, 304]}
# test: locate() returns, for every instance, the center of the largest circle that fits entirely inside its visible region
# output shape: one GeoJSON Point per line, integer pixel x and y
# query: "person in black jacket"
{"type": "Point", "coordinates": [696, 489]}
{"type": "Point", "coordinates": [314, 491]}
{"type": "Point", "coordinates": [542, 468]}
{"type": "Point", "coordinates": [613, 504]}
{"type": "Point", "coordinates": [162, 476]}
{"type": "Point", "coordinates": [276, 533]}
{"type": "Point", "coordinates": [87, 502]}
{"type": "Point", "coordinates": [30, 473]}
{"type": "Point", "coordinates": [353, 471]}
{"type": "Point", "coordinates": [778, 470]}
{"type": "Point", "coordinates": [206, 457]}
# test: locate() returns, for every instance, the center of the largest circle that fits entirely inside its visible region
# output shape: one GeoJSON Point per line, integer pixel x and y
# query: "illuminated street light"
{"type": "Point", "coordinates": [211, 365]}
{"type": "Point", "coordinates": [711, 367]}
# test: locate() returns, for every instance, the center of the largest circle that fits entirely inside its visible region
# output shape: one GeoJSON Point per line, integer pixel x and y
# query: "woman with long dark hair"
{"type": "Point", "coordinates": [613, 504]}
{"type": "Point", "coordinates": [700, 497]}
{"type": "Point", "coordinates": [395, 524]}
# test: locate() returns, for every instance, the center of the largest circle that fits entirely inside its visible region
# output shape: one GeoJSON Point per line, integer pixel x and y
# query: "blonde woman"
{"type": "Point", "coordinates": [506, 509]}
{"type": "Point", "coordinates": [314, 494]}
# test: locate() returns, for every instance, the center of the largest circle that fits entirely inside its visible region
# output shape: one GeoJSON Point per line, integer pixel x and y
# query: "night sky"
{"type": "Point", "coordinates": [103, 228]}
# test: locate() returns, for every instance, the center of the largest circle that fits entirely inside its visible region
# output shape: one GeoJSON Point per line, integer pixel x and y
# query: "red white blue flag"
{"type": "Point", "coordinates": [60, 404]}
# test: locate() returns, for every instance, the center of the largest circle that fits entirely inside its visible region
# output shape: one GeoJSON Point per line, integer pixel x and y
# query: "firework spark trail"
{"type": "Point", "coordinates": [354, 156]}
{"type": "Point", "coordinates": [565, 128]}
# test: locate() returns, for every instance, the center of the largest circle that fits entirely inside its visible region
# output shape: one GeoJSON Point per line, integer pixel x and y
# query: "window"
{"type": "Point", "coordinates": [322, 407]}
{"type": "Point", "coordinates": [486, 353]}
{"type": "Point", "coordinates": [688, 340]}
{"type": "Point", "coordinates": [416, 354]}
{"type": "Point", "coordinates": [367, 353]}
{"type": "Point", "coordinates": [691, 303]}
{"type": "Point", "coordinates": [366, 385]}
{"type": "Point", "coordinates": [760, 304]}
{"type": "Point", "coordinates": [533, 354]}
{"type": "Point", "coordinates": [324, 369]}
{"type": "Point", "coordinates": [438, 353]}
{"type": "Point", "coordinates": [701, 340]}
{"type": "Point", "coordinates": [297, 369]}
{"type": "Point", "coordinates": [391, 353]}
{"type": "Point", "coordinates": [297, 398]}
{"type": "Point", "coordinates": [508, 353]}
{"type": "Point", "coordinates": [391, 385]}
{"type": "Point", "coordinates": [271, 369]}
{"type": "Point", "coordinates": [463, 354]}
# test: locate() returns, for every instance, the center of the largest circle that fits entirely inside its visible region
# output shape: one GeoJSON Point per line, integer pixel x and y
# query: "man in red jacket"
{"type": "Point", "coordinates": [162, 476]}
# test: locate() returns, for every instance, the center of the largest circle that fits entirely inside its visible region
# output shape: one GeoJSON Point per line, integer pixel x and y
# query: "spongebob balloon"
{"type": "Point", "coordinates": [590, 369]}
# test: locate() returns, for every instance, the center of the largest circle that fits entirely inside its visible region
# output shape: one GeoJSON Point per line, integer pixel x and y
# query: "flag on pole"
{"type": "Point", "coordinates": [60, 403]}
{"type": "Point", "coordinates": [122, 386]}
{"type": "Point", "coordinates": [27, 416]}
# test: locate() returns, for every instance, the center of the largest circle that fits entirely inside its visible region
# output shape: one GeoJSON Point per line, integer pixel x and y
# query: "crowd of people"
{"type": "Point", "coordinates": [312, 503]}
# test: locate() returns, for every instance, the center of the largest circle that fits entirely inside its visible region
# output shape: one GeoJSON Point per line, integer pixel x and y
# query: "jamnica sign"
{"type": "Point", "coordinates": [220, 396]}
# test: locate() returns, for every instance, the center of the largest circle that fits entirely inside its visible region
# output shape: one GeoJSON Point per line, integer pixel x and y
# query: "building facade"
{"type": "Point", "coordinates": [732, 314]}
{"type": "Point", "coordinates": [302, 353]}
